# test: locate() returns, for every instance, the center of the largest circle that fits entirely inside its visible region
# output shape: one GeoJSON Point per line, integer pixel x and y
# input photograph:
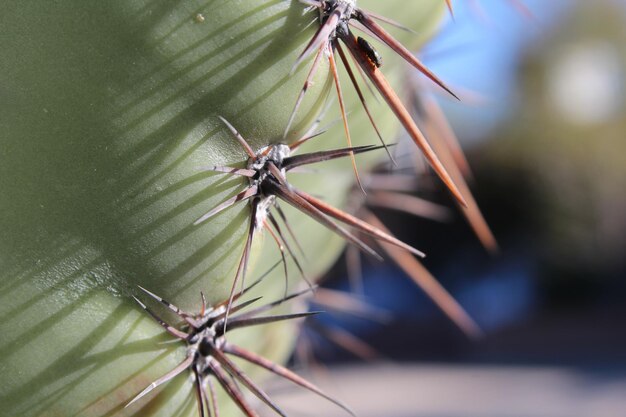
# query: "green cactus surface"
{"type": "Point", "coordinates": [108, 111]}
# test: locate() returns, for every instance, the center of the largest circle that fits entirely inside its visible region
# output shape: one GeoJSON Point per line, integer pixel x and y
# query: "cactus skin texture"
{"type": "Point", "coordinates": [108, 111]}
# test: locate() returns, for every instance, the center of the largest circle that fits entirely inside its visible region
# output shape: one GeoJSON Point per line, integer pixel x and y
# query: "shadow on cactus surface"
{"type": "Point", "coordinates": [113, 114]}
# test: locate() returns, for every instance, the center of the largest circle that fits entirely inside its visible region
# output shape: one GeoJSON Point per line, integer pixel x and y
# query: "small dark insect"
{"type": "Point", "coordinates": [266, 172]}
{"type": "Point", "coordinates": [372, 53]}
{"type": "Point", "coordinates": [208, 353]}
{"type": "Point", "coordinates": [336, 19]}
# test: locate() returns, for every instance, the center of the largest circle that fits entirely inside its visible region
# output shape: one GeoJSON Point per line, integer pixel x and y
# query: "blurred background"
{"type": "Point", "coordinates": [542, 122]}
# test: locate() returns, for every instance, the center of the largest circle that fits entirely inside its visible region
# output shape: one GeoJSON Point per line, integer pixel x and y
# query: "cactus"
{"type": "Point", "coordinates": [110, 111]}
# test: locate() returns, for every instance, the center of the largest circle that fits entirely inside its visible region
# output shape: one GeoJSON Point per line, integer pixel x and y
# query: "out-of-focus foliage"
{"type": "Point", "coordinates": [565, 142]}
